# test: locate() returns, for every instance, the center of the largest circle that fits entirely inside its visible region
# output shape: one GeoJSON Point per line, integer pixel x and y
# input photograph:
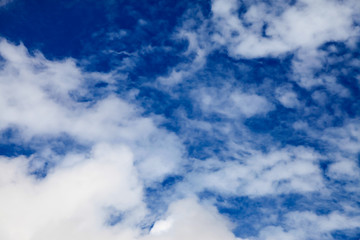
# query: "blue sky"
{"type": "Point", "coordinates": [154, 120]}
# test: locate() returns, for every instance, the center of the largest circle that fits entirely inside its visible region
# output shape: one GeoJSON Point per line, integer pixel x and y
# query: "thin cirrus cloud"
{"type": "Point", "coordinates": [216, 120]}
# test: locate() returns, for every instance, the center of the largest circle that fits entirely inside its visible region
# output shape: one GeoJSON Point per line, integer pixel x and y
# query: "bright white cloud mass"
{"type": "Point", "coordinates": [160, 120]}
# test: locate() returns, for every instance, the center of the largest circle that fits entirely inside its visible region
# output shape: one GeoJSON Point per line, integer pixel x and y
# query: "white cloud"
{"type": "Point", "coordinates": [343, 147]}
{"type": "Point", "coordinates": [196, 52]}
{"type": "Point", "coordinates": [35, 97]}
{"type": "Point", "coordinates": [71, 201]}
{"type": "Point", "coordinates": [250, 104]}
{"type": "Point", "coordinates": [344, 169]}
{"type": "Point", "coordinates": [287, 97]}
{"type": "Point", "coordinates": [320, 97]}
{"type": "Point", "coordinates": [75, 200]}
{"type": "Point", "coordinates": [308, 225]}
{"type": "Point", "coordinates": [346, 141]}
{"type": "Point", "coordinates": [347, 137]}
{"type": "Point", "coordinates": [307, 63]}
{"type": "Point", "coordinates": [277, 233]}
{"type": "Point", "coordinates": [187, 219]}
{"type": "Point", "coordinates": [306, 24]}
{"type": "Point", "coordinates": [286, 170]}
{"type": "Point", "coordinates": [130, 152]}
{"type": "Point", "coordinates": [231, 103]}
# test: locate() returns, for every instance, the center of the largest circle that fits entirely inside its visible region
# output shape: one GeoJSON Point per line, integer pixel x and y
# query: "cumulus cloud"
{"type": "Point", "coordinates": [126, 176]}
{"type": "Point", "coordinates": [186, 219]}
{"type": "Point", "coordinates": [87, 189]}
{"type": "Point", "coordinates": [71, 201]}
{"type": "Point", "coordinates": [47, 104]}
{"type": "Point", "coordinates": [74, 200]}
{"type": "Point", "coordinates": [277, 28]}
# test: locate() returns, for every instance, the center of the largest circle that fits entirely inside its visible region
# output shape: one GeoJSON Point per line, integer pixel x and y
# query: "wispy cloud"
{"type": "Point", "coordinates": [222, 120]}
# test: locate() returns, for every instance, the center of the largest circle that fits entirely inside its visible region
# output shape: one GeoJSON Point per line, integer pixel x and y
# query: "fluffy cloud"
{"type": "Point", "coordinates": [125, 176]}
{"type": "Point", "coordinates": [86, 189]}
{"type": "Point", "coordinates": [71, 201]}
{"type": "Point", "coordinates": [188, 220]}
{"type": "Point", "coordinates": [74, 201]}
{"type": "Point", "coordinates": [277, 28]}
{"type": "Point", "coordinates": [46, 104]}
